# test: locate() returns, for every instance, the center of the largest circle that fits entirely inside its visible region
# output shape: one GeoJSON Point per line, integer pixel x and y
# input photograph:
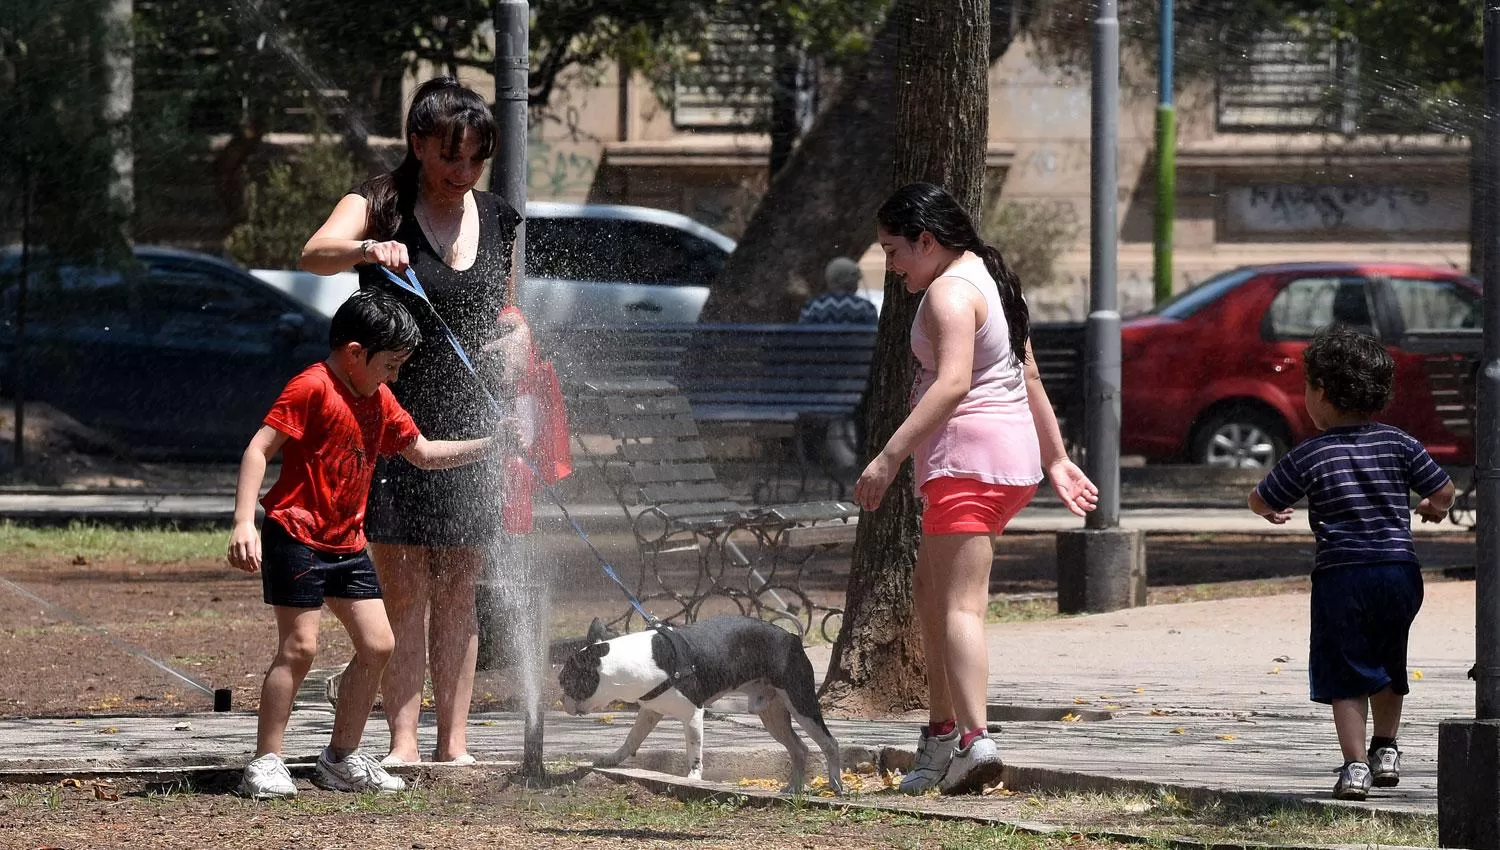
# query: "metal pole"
{"type": "Point", "coordinates": [1166, 158]}
{"type": "Point", "coordinates": [18, 363]}
{"type": "Point", "coordinates": [1487, 572]}
{"type": "Point", "coordinates": [1103, 341]}
{"type": "Point", "coordinates": [512, 93]}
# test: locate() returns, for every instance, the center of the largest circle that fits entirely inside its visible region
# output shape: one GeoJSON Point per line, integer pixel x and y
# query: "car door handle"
{"type": "Point", "coordinates": [1281, 364]}
{"type": "Point", "coordinates": [644, 307]}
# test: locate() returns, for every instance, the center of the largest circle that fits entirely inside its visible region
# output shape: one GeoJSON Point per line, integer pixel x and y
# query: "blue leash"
{"type": "Point", "coordinates": [411, 285]}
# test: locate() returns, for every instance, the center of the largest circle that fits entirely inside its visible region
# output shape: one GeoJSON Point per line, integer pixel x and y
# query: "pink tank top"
{"type": "Point", "coordinates": [990, 436]}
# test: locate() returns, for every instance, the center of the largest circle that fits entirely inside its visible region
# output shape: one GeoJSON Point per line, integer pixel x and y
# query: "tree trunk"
{"type": "Point", "coordinates": [942, 117]}
{"type": "Point", "coordinates": [786, 116]}
{"type": "Point", "coordinates": [821, 204]}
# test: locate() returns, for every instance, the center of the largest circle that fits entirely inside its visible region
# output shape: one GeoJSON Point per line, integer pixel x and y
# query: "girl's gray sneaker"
{"type": "Point", "coordinates": [1354, 782]}
{"type": "Point", "coordinates": [933, 754]}
{"type": "Point", "coordinates": [267, 778]}
{"type": "Point", "coordinates": [974, 767]}
{"type": "Point", "coordinates": [357, 772]}
{"type": "Point", "coordinates": [1385, 766]}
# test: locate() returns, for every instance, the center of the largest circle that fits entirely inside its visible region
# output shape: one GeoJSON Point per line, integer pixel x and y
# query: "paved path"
{"type": "Point", "coordinates": [1045, 516]}
{"type": "Point", "coordinates": [1208, 695]}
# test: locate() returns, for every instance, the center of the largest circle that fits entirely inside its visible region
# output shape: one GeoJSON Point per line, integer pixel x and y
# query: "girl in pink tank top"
{"type": "Point", "coordinates": [980, 433]}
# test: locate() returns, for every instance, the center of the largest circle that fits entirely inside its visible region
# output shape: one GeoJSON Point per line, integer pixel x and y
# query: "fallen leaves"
{"type": "Point", "coordinates": [1416, 674]}
{"type": "Point", "coordinates": [1070, 717]}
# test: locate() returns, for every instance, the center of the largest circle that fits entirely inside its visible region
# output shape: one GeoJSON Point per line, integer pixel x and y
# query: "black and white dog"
{"type": "Point", "coordinates": [676, 671]}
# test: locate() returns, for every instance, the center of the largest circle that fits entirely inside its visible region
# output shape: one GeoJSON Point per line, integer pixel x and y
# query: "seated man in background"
{"type": "Point", "coordinates": [840, 302]}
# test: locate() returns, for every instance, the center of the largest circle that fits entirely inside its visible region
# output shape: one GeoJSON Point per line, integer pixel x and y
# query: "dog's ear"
{"type": "Point", "coordinates": [597, 650]}
{"type": "Point", "coordinates": [599, 632]}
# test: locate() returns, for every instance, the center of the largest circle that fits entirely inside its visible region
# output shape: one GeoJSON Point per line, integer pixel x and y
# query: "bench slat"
{"type": "Point", "coordinates": [676, 493]}
{"type": "Point", "coordinates": [647, 405]}
{"type": "Point", "coordinates": [635, 428]}
{"type": "Point", "coordinates": [665, 473]}
{"type": "Point", "coordinates": [820, 535]}
{"type": "Point", "coordinates": [666, 450]}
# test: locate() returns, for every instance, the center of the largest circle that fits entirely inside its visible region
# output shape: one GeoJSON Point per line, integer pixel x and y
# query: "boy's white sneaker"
{"type": "Point", "coordinates": [974, 767]}
{"type": "Point", "coordinates": [1354, 782]}
{"type": "Point", "coordinates": [933, 754]}
{"type": "Point", "coordinates": [1385, 767]}
{"type": "Point", "coordinates": [267, 778]}
{"type": "Point", "coordinates": [357, 772]}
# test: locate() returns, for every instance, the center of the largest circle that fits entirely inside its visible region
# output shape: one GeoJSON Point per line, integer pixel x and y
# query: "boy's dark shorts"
{"type": "Point", "coordinates": [295, 575]}
{"type": "Point", "coordinates": [1361, 618]}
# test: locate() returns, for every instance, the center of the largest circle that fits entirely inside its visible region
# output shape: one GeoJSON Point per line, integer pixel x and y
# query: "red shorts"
{"type": "Point", "coordinates": [970, 506]}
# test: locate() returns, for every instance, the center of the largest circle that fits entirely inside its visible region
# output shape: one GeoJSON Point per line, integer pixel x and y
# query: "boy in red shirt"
{"type": "Point", "coordinates": [331, 421]}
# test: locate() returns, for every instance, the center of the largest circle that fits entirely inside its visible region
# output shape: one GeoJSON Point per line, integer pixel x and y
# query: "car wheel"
{"type": "Point", "coordinates": [1240, 438]}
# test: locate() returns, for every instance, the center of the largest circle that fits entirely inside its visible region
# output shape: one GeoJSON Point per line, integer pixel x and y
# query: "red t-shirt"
{"type": "Point", "coordinates": [327, 463]}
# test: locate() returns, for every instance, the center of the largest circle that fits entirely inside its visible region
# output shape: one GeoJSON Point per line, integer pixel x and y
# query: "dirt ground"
{"type": "Point", "coordinates": [75, 634]}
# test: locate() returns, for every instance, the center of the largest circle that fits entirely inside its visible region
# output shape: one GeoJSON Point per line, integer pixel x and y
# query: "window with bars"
{"type": "Point", "coordinates": [733, 85]}
{"type": "Point", "coordinates": [1286, 82]}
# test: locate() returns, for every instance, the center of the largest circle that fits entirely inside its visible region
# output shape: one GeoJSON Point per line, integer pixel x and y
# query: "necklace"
{"type": "Point", "coordinates": [443, 244]}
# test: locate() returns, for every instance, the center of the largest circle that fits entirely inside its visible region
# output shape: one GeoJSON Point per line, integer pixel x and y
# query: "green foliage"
{"type": "Point", "coordinates": [1031, 236]}
{"type": "Point", "coordinates": [289, 204]}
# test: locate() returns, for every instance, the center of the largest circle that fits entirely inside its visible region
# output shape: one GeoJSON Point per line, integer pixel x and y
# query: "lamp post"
{"type": "Point", "coordinates": [1102, 567]}
{"type": "Point", "coordinates": [1469, 749]}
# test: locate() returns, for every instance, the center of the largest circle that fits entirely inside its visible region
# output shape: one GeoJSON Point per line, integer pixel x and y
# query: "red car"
{"type": "Point", "coordinates": [1215, 374]}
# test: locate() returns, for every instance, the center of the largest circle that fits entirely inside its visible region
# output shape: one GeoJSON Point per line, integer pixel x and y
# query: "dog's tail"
{"type": "Point", "coordinates": [803, 690]}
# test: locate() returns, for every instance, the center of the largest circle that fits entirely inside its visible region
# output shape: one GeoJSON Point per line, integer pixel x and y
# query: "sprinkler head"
{"type": "Point", "coordinates": [221, 698]}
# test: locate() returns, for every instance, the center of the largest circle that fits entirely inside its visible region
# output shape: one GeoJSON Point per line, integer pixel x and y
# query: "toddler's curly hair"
{"type": "Point", "coordinates": [1353, 370]}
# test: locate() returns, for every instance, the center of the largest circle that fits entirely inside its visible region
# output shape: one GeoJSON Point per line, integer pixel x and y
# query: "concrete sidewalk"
{"type": "Point", "coordinates": [1208, 696]}
{"type": "Point", "coordinates": [61, 506]}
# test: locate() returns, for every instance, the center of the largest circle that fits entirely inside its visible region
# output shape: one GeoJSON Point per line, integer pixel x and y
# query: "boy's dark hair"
{"type": "Point", "coordinates": [375, 320]}
{"type": "Point", "coordinates": [1353, 370]}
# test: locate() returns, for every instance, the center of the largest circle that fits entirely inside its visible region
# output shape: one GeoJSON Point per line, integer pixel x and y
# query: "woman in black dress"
{"type": "Point", "coordinates": [429, 530]}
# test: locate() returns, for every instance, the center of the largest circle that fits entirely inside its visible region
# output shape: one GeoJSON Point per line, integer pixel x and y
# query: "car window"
{"type": "Point", "coordinates": [1308, 304]}
{"type": "Point", "coordinates": [74, 298]}
{"type": "Point", "coordinates": [656, 254]}
{"type": "Point", "coordinates": [573, 249]}
{"type": "Point", "coordinates": [189, 299]}
{"type": "Point", "coordinates": [1190, 301]}
{"type": "Point", "coordinates": [1435, 305]}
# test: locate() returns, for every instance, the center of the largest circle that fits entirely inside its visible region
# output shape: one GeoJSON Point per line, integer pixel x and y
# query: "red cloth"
{"type": "Point", "coordinates": [329, 458]}
{"type": "Point", "coordinates": [549, 454]}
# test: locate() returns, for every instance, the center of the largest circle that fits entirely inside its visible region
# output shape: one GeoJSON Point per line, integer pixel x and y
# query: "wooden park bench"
{"type": "Point", "coordinates": [783, 383]}
{"type": "Point", "coordinates": [688, 528]}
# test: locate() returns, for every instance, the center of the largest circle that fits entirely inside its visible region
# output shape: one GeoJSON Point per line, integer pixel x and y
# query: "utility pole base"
{"type": "Point", "coordinates": [1469, 784]}
{"type": "Point", "coordinates": [1100, 569]}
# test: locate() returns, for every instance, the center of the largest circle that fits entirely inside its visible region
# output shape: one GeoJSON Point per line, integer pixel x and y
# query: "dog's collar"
{"type": "Point", "coordinates": [682, 669]}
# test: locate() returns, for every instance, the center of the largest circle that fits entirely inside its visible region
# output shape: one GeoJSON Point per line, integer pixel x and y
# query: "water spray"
{"type": "Point", "coordinates": [220, 696]}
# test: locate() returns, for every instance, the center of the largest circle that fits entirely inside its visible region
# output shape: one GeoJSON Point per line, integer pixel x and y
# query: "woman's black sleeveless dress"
{"type": "Point", "coordinates": [452, 507]}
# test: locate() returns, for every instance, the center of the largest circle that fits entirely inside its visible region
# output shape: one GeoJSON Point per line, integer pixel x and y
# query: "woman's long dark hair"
{"type": "Point", "coordinates": [916, 207]}
{"type": "Point", "coordinates": [441, 106]}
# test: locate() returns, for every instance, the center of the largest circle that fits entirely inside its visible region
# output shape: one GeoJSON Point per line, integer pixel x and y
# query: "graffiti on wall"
{"type": "Point", "coordinates": [563, 164]}
{"type": "Point", "coordinates": [1286, 207]}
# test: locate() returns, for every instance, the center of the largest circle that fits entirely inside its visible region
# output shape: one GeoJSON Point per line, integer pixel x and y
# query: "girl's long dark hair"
{"type": "Point", "coordinates": [916, 207]}
{"type": "Point", "coordinates": [441, 106]}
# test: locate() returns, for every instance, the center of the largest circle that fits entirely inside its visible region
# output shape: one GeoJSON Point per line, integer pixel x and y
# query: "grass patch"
{"type": "Point", "coordinates": [1165, 816]}
{"type": "Point", "coordinates": [1012, 610]}
{"type": "Point", "coordinates": [91, 541]}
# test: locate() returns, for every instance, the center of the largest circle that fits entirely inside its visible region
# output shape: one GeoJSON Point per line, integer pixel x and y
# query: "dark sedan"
{"type": "Point", "coordinates": [177, 351]}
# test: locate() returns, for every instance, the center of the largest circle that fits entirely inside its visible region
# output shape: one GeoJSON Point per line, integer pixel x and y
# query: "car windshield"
{"type": "Point", "coordinates": [1186, 303]}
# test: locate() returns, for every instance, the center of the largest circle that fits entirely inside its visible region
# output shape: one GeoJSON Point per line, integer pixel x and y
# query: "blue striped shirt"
{"type": "Point", "coordinates": [1357, 481]}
